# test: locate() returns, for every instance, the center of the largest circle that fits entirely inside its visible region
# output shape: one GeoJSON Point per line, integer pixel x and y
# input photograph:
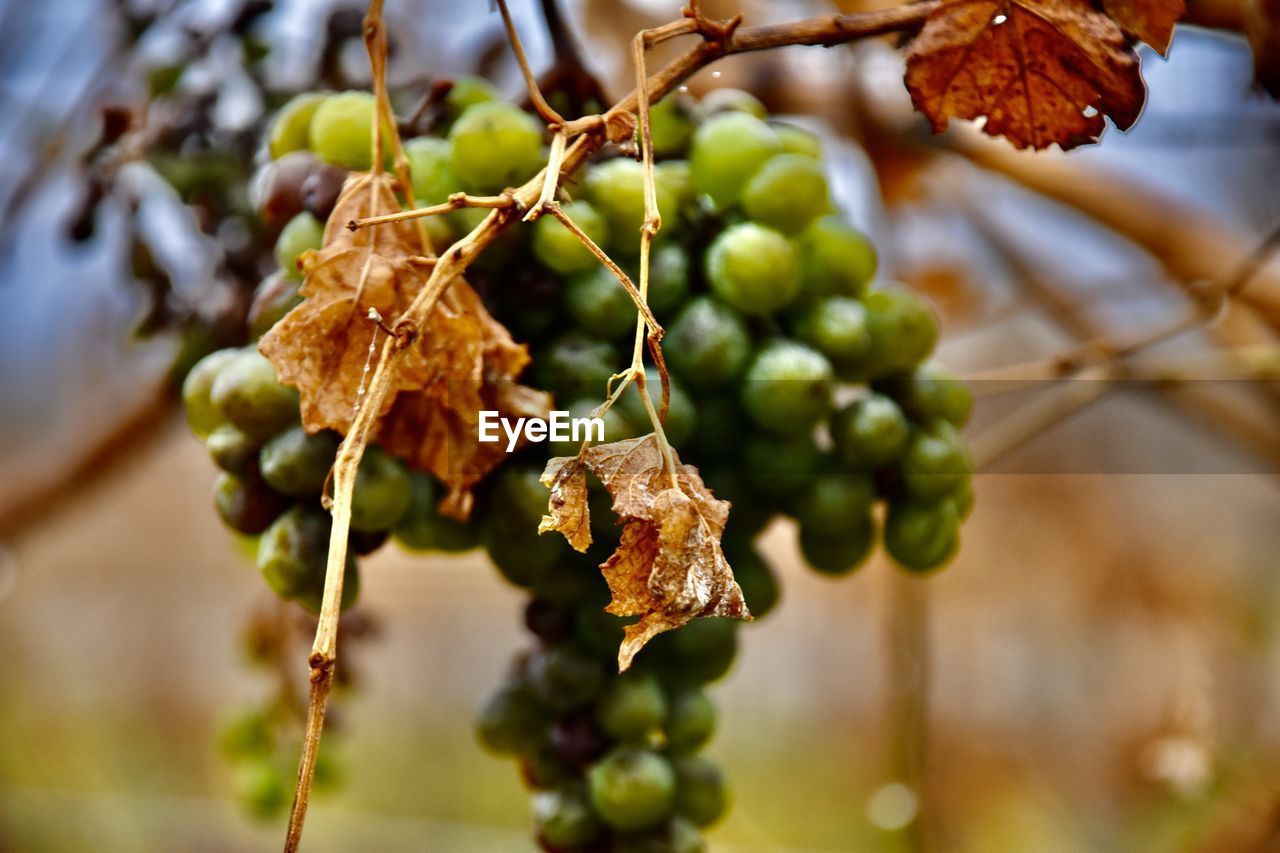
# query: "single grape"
{"type": "Point", "coordinates": [632, 707]}
{"type": "Point", "coordinates": [311, 597]}
{"type": "Point", "coordinates": [519, 498]}
{"type": "Point", "coordinates": [708, 342]}
{"type": "Point", "coordinates": [921, 536]}
{"type": "Point", "coordinates": [681, 412]}
{"type": "Point", "coordinates": [835, 499]}
{"type": "Point", "coordinates": [903, 331]}
{"type": "Point", "coordinates": [700, 790]}
{"type": "Point", "coordinates": [671, 124]}
{"type": "Point", "coordinates": [512, 720]}
{"type": "Point", "coordinates": [753, 268]}
{"type": "Point", "coordinates": [302, 233]}
{"type": "Point", "coordinates": [835, 326]}
{"type": "Point", "coordinates": [495, 145]}
{"type": "Point", "coordinates": [549, 621]}
{"type": "Point", "coordinates": [839, 260]}
{"type": "Point", "coordinates": [261, 789]}
{"type": "Point", "coordinates": [674, 836]}
{"type": "Point", "coordinates": [728, 149]}
{"type": "Point", "coordinates": [936, 462]}
{"type": "Point", "coordinates": [733, 100]}
{"type": "Point", "coordinates": [202, 415]}
{"type": "Point", "coordinates": [598, 631]}
{"type": "Point", "coordinates": [564, 817]}
{"type": "Point", "coordinates": [632, 788]}
{"type": "Point", "coordinates": [276, 190]}
{"type": "Point", "coordinates": [690, 722]}
{"type": "Point", "coordinates": [931, 391]}
{"type": "Point", "coordinates": [232, 450]}
{"type": "Point", "coordinates": [797, 140]}
{"type": "Point", "coordinates": [275, 296]}
{"type": "Point", "coordinates": [758, 582]}
{"type": "Point", "coordinates": [788, 387]}
{"type": "Point", "coordinates": [615, 188]}
{"type": "Point", "coordinates": [341, 130]}
{"type": "Point", "coordinates": [676, 179]}
{"type": "Point", "coordinates": [668, 279]}
{"type": "Point", "coordinates": [870, 433]}
{"type": "Point", "coordinates": [246, 504]}
{"type": "Point", "coordinates": [431, 168]}
{"type": "Point", "coordinates": [701, 651]}
{"type": "Point", "coordinates": [576, 366]}
{"type": "Point", "coordinates": [248, 735]}
{"type": "Point", "coordinates": [247, 394]}
{"type": "Point", "coordinates": [578, 739]}
{"type": "Point", "coordinates": [962, 499]}
{"type": "Point", "coordinates": [467, 91]}
{"type": "Point", "coordinates": [382, 494]}
{"type": "Point", "coordinates": [519, 553]}
{"type": "Point", "coordinates": [560, 251]}
{"type": "Point", "coordinates": [293, 550]}
{"type": "Point", "coordinates": [565, 677]}
{"type": "Point", "coordinates": [788, 192]}
{"type": "Point", "coordinates": [838, 551]}
{"type": "Point", "coordinates": [321, 189]}
{"type": "Point", "coordinates": [423, 529]}
{"type": "Point", "coordinates": [291, 126]}
{"type": "Point", "coordinates": [544, 769]}
{"type": "Point", "coordinates": [599, 304]}
{"type": "Point", "coordinates": [294, 463]}
{"type": "Point", "coordinates": [779, 468]}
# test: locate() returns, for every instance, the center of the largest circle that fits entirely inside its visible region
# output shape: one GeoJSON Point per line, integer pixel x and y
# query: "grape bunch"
{"type": "Point", "coordinates": [795, 387]}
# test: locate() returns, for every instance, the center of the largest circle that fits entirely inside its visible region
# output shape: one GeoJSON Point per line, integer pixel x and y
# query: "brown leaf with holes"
{"type": "Point", "coordinates": [461, 361]}
{"type": "Point", "coordinates": [669, 567]}
{"type": "Point", "coordinates": [1039, 71]}
{"type": "Point", "coordinates": [1150, 21]}
{"type": "Point", "coordinates": [566, 477]}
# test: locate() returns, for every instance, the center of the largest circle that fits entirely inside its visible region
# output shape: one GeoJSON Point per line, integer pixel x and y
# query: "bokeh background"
{"type": "Point", "coordinates": [1098, 670]}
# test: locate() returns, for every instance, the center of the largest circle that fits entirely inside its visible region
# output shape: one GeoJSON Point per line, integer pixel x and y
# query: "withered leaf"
{"type": "Point", "coordinates": [669, 567]}
{"type": "Point", "coordinates": [462, 360]}
{"type": "Point", "coordinates": [1150, 21]}
{"type": "Point", "coordinates": [566, 477]}
{"type": "Point", "coordinates": [1039, 71]}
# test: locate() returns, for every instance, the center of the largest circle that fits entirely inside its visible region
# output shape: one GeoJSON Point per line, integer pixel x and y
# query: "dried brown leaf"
{"type": "Point", "coordinates": [566, 477]}
{"type": "Point", "coordinates": [1150, 21]}
{"type": "Point", "coordinates": [1039, 71]}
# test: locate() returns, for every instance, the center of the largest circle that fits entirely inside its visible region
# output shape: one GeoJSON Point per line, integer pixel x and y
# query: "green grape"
{"type": "Point", "coordinates": [261, 789]}
{"type": "Point", "coordinates": [632, 707]}
{"type": "Point", "coordinates": [275, 296]}
{"type": "Point", "coordinates": [930, 392]}
{"type": "Point", "coordinates": [294, 463]}
{"type": "Point", "coordinates": [521, 554]}
{"type": "Point", "coordinates": [668, 279]}
{"type": "Point", "coordinates": [598, 631]}
{"type": "Point", "coordinates": [838, 551]}
{"type": "Point", "coordinates": [671, 124]}
{"type": "Point", "coordinates": [544, 768]}
{"type": "Point", "coordinates": [962, 499]}
{"type": "Point", "coordinates": [708, 342]}
{"type": "Point", "coordinates": [302, 233]}
{"type": "Point", "coordinates": [778, 468]}
{"type": "Point", "coordinates": [341, 130]}
{"type": "Point", "coordinates": [293, 551]}
{"type": "Point", "coordinates": [632, 788]}
{"type": "Point", "coordinates": [467, 91]}
{"type": "Point", "coordinates": [565, 677]}
{"type": "Point", "coordinates": [870, 433]}
{"type": "Point", "coordinates": [232, 450]}
{"type": "Point", "coordinates": [599, 304]}
{"type": "Point", "coordinates": [423, 529]}
{"type": "Point", "coordinates": [731, 482]}
{"type": "Point", "coordinates": [556, 247]}
{"type": "Point", "coordinates": [936, 462]}
{"type": "Point", "coordinates": [839, 260]}
{"type": "Point", "coordinates": [382, 494]}
{"type": "Point", "coordinates": [921, 536]}
{"type": "Point", "coordinates": [202, 415]}
{"type": "Point", "coordinates": [247, 394]}
{"type": "Point", "coordinates": [247, 736]}
{"type": "Point", "coordinates": [788, 387]}
{"type": "Point", "coordinates": [674, 836]}
{"type": "Point", "coordinates": [675, 177]}
{"type": "Point", "coordinates": [312, 595]}
{"type": "Point", "coordinates": [797, 140]}
{"type": "Point", "coordinates": [754, 269]}
{"type": "Point", "coordinates": [495, 145]}
{"type": "Point", "coordinates": [564, 817]}
{"type": "Point", "coordinates": [616, 189]}
{"type": "Point", "coordinates": [728, 149]}
{"type": "Point", "coordinates": [431, 168]}
{"type": "Point", "coordinates": [700, 790]}
{"type": "Point", "coordinates": [835, 499]}
{"type": "Point", "coordinates": [512, 721]}
{"type": "Point", "coordinates": [291, 126]}
{"type": "Point", "coordinates": [702, 651]}
{"type": "Point", "coordinates": [787, 193]}
{"type": "Point", "coordinates": [835, 326]}
{"type": "Point", "coordinates": [755, 577]}
{"type": "Point", "coordinates": [567, 581]}
{"type": "Point", "coordinates": [576, 366]}
{"type": "Point", "coordinates": [733, 100]}
{"type": "Point", "coordinates": [903, 331]}
{"type": "Point", "coordinates": [519, 498]}
{"type": "Point", "coordinates": [246, 504]}
{"type": "Point", "coordinates": [690, 722]}
{"type": "Point", "coordinates": [681, 413]}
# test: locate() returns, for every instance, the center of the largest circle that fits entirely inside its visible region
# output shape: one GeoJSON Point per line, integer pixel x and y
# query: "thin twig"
{"type": "Point", "coordinates": [551, 176]}
{"type": "Point", "coordinates": [456, 201]}
{"type": "Point", "coordinates": [544, 109]}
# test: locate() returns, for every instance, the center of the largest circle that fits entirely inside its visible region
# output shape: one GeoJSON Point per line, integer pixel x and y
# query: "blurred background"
{"type": "Point", "coordinates": [1098, 670]}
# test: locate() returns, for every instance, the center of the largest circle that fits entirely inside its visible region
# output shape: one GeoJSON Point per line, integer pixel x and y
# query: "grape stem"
{"type": "Point", "coordinates": [549, 115]}
{"type": "Point", "coordinates": [456, 201]}
{"type": "Point", "coordinates": [719, 39]}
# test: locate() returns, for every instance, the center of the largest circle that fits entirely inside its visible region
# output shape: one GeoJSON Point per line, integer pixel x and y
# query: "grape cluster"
{"type": "Point", "coordinates": [795, 388]}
